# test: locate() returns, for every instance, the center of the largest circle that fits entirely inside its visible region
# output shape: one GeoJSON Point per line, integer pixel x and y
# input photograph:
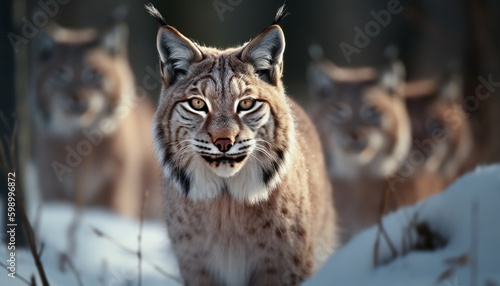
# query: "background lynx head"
{"type": "Point", "coordinates": [223, 121]}
{"type": "Point", "coordinates": [81, 78]}
{"type": "Point", "coordinates": [361, 117]}
{"type": "Point", "coordinates": [440, 128]}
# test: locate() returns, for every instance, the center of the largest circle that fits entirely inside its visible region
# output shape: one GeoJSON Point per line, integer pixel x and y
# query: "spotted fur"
{"type": "Point", "coordinates": [260, 212]}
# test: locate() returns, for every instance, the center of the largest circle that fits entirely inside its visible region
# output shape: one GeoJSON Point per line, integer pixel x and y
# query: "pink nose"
{"type": "Point", "coordinates": [223, 144]}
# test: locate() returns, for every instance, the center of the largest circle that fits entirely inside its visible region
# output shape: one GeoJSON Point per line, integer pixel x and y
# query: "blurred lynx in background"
{"type": "Point", "coordinates": [365, 130]}
{"type": "Point", "coordinates": [442, 145]}
{"type": "Point", "coordinates": [91, 138]}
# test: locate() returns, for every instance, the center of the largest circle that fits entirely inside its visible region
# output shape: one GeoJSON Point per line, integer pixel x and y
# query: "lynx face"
{"type": "Point", "coordinates": [217, 125]}
{"type": "Point", "coordinates": [361, 118]}
{"type": "Point", "coordinates": [81, 78]}
{"type": "Point", "coordinates": [440, 129]}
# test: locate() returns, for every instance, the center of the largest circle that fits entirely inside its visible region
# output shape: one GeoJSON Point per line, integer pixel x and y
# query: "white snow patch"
{"type": "Point", "coordinates": [97, 260]}
{"type": "Point", "coordinates": [449, 214]}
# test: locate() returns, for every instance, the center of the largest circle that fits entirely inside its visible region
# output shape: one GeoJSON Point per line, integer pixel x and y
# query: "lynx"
{"type": "Point", "coordinates": [247, 195]}
{"type": "Point", "coordinates": [365, 131]}
{"type": "Point", "coordinates": [441, 137]}
{"type": "Point", "coordinates": [91, 130]}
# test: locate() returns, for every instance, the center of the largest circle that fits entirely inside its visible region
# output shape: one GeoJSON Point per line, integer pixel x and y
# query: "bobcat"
{"type": "Point", "coordinates": [247, 196]}
{"type": "Point", "coordinates": [442, 138]}
{"type": "Point", "coordinates": [365, 131]}
{"type": "Point", "coordinates": [91, 136]}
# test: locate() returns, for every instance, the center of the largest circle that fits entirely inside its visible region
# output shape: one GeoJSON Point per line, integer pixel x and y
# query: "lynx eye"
{"type": "Point", "coordinates": [246, 104]}
{"type": "Point", "coordinates": [371, 114]}
{"type": "Point", "coordinates": [434, 125]}
{"type": "Point", "coordinates": [340, 112]}
{"type": "Point", "coordinates": [91, 76]}
{"type": "Point", "coordinates": [198, 104]}
{"type": "Point", "coordinates": [62, 74]}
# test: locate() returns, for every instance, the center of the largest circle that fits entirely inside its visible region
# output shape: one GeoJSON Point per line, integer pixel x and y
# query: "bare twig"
{"type": "Point", "coordinates": [12, 146]}
{"type": "Point", "coordinates": [9, 164]}
{"type": "Point", "coordinates": [4, 121]}
{"type": "Point", "coordinates": [66, 260]}
{"type": "Point", "coordinates": [17, 274]}
{"type": "Point", "coordinates": [72, 231]}
{"type": "Point", "coordinates": [128, 250]}
{"type": "Point", "coordinates": [3, 160]}
{"type": "Point", "coordinates": [381, 230]}
{"type": "Point", "coordinates": [42, 248]}
{"type": "Point", "coordinates": [32, 243]}
{"type": "Point", "coordinates": [453, 263]}
{"type": "Point", "coordinates": [474, 243]}
{"type": "Point", "coordinates": [139, 237]}
{"type": "Point", "coordinates": [37, 218]}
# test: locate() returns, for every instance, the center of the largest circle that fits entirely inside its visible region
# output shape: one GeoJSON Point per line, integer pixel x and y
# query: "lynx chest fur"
{"type": "Point", "coordinates": [247, 197]}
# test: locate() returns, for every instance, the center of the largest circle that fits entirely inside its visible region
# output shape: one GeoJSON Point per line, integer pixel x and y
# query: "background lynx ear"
{"type": "Point", "coordinates": [115, 39]}
{"type": "Point", "coordinates": [392, 77]}
{"type": "Point", "coordinates": [46, 45]}
{"type": "Point", "coordinates": [451, 83]}
{"type": "Point", "coordinates": [452, 88]}
{"type": "Point", "coordinates": [319, 81]}
{"type": "Point", "coordinates": [265, 53]}
{"type": "Point", "coordinates": [177, 53]}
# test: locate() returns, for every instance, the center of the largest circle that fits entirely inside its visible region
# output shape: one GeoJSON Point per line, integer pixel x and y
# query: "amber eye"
{"type": "Point", "coordinates": [198, 104]}
{"type": "Point", "coordinates": [246, 104]}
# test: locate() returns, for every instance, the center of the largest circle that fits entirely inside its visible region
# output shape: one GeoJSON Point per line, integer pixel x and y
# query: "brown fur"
{"type": "Point", "coordinates": [266, 219]}
{"type": "Point", "coordinates": [77, 70]}
{"type": "Point", "coordinates": [359, 184]}
{"type": "Point", "coordinates": [442, 140]}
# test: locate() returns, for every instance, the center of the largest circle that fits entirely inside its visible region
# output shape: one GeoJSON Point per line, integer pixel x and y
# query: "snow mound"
{"type": "Point", "coordinates": [466, 215]}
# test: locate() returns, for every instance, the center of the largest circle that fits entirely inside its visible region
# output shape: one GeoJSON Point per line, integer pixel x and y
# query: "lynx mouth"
{"type": "Point", "coordinates": [217, 160]}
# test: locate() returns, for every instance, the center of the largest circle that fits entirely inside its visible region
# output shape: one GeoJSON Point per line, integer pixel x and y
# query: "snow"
{"type": "Point", "coordinates": [100, 261]}
{"type": "Point", "coordinates": [452, 215]}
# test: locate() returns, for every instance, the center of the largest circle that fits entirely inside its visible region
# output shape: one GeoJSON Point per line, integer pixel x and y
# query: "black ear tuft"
{"type": "Point", "coordinates": [46, 45]}
{"type": "Point", "coordinates": [115, 38]}
{"type": "Point", "coordinates": [392, 77]}
{"type": "Point", "coordinates": [451, 83]}
{"type": "Point", "coordinates": [320, 83]}
{"type": "Point", "coordinates": [155, 13]}
{"type": "Point", "coordinates": [316, 52]}
{"type": "Point", "coordinates": [281, 14]}
{"type": "Point", "coordinates": [391, 52]}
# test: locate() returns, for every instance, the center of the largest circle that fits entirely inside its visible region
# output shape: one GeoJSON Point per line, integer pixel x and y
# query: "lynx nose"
{"type": "Point", "coordinates": [354, 136]}
{"type": "Point", "coordinates": [223, 144]}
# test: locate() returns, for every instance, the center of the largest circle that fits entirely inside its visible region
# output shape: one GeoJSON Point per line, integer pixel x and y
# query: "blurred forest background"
{"type": "Point", "coordinates": [428, 33]}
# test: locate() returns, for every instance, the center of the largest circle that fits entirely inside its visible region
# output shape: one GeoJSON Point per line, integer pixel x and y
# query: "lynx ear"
{"type": "Point", "coordinates": [115, 39]}
{"type": "Point", "coordinates": [392, 77]}
{"type": "Point", "coordinates": [320, 83]}
{"type": "Point", "coordinates": [265, 53]}
{"type": "Point", "coordinates": [452, 88]}
{"type": "Point", "coordinates": [177, 53]}
{"type": "Point", "coordinates": [46, 44]}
